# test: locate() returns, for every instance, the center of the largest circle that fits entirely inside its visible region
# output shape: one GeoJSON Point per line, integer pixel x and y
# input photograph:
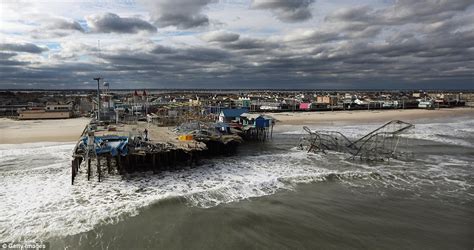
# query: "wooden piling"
{"type": "Point", "coordinates": [119, 163]}
{"type": "Point", "coordinates": [88, 168]}
{"type": "Point", "coordinates": [127, 158]}
{"type": "Point", "coordinates": [174, 159]}
{"type": "Point", "coordinates": [271, 131]}
{"type": "Point", "coordinates": [79, 161]}
{"type": "Point", "coordinates": [98, 167]}
{"type": "Point", "coordinates": [165, 160]}
{"type": "Point", "coordinates": [109, 168]}
{"type": "Point", "coordinates": [158, 162]}
{"type": "Point", "coordinates": [73, 171]}
{"type": "Point", "coordinates": [153, 162]}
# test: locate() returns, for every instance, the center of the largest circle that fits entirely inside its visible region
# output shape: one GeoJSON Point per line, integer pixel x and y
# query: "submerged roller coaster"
{"type": "Point", "coordinates": [381, 144]}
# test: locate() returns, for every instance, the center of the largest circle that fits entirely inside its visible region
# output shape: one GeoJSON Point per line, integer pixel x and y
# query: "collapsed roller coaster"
{"type": "Point", "coordinates": [381, 144]}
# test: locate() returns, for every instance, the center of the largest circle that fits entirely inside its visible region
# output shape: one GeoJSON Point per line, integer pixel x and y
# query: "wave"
{"type": "Point", "coordinates": [39, 201]}
{"type": "Point", "coordinates": [459, 133]}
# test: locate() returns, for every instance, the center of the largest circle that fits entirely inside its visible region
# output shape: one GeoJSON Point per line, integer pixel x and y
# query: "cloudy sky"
{"type": "Point", "coordinates": [383, 44]}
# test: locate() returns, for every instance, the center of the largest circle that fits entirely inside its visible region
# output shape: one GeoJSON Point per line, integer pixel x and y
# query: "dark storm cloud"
{"type": "Point", "coordinates": [354, 48]}
{"type": "Point", "coordinates": [6, 61]}
{"type": "Point", "coordinates": [161, 56]}
{"type": "Point", "coordinates": [233, 42]}
{"type": "Point", "coordinates": [200, 55]}
{"type": "Point", "coordinates": [55, 27]}
{"type": "Point", "coordinates": [112, 23]}
{"type": "Point", "coordinates": [220, 36]}
{"type": "Point", "coordinates": [402, 59]}
{"type": "Point", "coordinates": [159, 49]}
{"type": "Point", "coordinates": [403, 12]}
{"type": "Point", "coordinates": [249, 44]}
{"type": "Point", "coordinates": [62, 24]}
{"type": "Point", "coordinates": [423, 10]}
{"type": "Point", "coordinates": [286, 10]}
{"type": "Point", "coordinates": [5, 64]}
{"type": "Point", "coordinates": [181, 14]}
{"type": "Point", "coordinates": [7, 55]}
{"type": "Point", "coordinates": [22, 47]}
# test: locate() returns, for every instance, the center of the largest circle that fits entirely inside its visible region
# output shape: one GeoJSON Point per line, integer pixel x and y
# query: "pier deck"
{"type": "Point", "coordinates": [156, 135]}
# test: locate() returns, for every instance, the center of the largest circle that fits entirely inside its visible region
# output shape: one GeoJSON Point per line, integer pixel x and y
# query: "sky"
{"type": "Point", "coordinates": [237, 44]}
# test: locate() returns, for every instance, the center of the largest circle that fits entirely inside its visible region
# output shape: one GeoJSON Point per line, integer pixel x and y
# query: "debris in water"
{"type": "Point", "coordinates": [381, 144]}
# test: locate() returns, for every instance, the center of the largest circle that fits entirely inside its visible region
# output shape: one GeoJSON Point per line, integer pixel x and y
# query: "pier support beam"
{"type": "Point", "coordinates": [98, 167]}
{"type": "Point", "coordinates": [271, 132]}
{"type": "Point", "coordinates": [73, 171]}
{"type": "Point", "coordinates": [154, 162]}
{"type": "Point", "coordinates": [88, 169]}
{"type": "Point", "coordinates": [127, 158]}
{"type": "Point", "coordinates": [109, 168]}
{"type": "Point", "coordinates": [118, 162]}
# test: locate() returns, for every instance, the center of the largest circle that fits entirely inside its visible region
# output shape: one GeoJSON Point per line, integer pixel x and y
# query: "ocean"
{"type": "Point", "coordinates": [270, 196]}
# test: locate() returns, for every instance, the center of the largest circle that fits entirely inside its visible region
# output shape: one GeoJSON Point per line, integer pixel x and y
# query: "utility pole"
{"type": "Point", "coordinates": [98, 86]}
{"type": "Point", "coordinates": [98, 97]}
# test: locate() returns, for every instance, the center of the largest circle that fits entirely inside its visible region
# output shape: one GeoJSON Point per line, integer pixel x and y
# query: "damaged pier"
{"type": "Point", "coordinates": [125, 148]}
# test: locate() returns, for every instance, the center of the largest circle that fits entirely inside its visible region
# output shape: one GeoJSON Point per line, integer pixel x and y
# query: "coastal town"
{"type": "Point", "coordinates": [158, 130]}
{"type": "Point", "coordinates": [172, 107]}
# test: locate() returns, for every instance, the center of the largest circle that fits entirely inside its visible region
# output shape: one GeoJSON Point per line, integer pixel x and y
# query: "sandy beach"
{"type": "Point", "coordinates": [364, 116]}
{"type": "Point", "coordinates": [62, 130]}
{"type": "Point", "coordinates": [66, 130]}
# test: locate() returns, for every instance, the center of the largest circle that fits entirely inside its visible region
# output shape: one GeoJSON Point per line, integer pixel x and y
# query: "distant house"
{"type": "Point", "coordinates": [59, 107]}
{"type": "Point", "coordinates": [35, 114]}
{"type": "Point", "coordinates": [228, 115]}
{"type": "Point", "coordinates": [426, 104]}
{"type": "Point", "coordinates": [245, 102]}
{"type": "Point", "coordinates": [51, 111]}
{"type": "Point", "coordinates": [270, 106]}
{"type": "Point", "coordinates": [331, 100]}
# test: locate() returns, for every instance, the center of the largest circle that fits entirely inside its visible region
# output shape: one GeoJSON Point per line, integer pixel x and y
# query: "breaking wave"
{"type": "Point", "coordinates": [38, 201]}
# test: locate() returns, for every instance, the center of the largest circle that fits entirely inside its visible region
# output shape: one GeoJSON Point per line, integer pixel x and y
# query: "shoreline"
{"type": "Point", "coordinates": [365, 116]}
{"type": "Point", "coordinates": [69, 130]}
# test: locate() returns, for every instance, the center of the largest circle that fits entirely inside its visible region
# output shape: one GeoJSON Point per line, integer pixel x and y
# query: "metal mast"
{"type": "Point", "coordinates": [98, 87]}
{"type": "Point", "coordinates": [98, 97]}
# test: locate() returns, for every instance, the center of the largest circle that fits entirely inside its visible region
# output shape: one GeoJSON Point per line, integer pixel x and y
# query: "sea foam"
{"type": "Point", "coordinates": [39, 202]}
